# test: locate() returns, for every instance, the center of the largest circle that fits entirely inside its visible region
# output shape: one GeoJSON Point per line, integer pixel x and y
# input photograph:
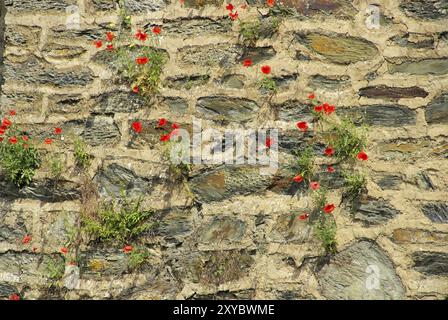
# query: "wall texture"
{"type": "Point", "coordinates": [229, 232]}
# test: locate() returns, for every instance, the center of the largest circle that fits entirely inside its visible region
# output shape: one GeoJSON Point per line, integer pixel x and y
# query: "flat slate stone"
{"type": "Point", "coordinates": [363, 271]}
{"type": "Point", "coordinates": [381, 115]}
{"type": "Point", "coordinates": [426, 9]}
{"type": "Point", "coordinates": [373, 211]}
{"type": "Point", "coordinates": [437, 110]}
{"type": "Point", "coordinates": [233, 109]}
{"type": "Point", "coordinates": [422, 67]}
{"type": "Point", "coordinates": [338, 48]}
{"type": "Point", "coordinates": [431, 263]}
{"type": "Point", "coordinates": [436, 211]}
{"type": "Point", "coordinates": [385, 92]}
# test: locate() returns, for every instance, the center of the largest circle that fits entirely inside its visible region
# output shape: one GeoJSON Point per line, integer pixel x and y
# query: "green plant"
{"type": "Point", "coordinates": [125, 18]}
{"type": "Point", "coordinates": [347, 139]}
{"type": "Point", "coordinates": [138, 257]}
{"type": "Point", "coordinates": [250, 31]}
{"type": "Point", "coordinates": [56, 167]}
{"type": "Point", "coordinates": [355, 183]}
{"type": "Point", "coordinates": [305, 163]}
{"type": "Point", "coordinates": [19, 158]}
{"type": "Point", "coordinates": [55, 268]}
{"type": "Point", "coordinates": [82, 158]}
{"type": "Point", "coordinates": [173, 153]}
{"type": "Point", "coordinates": [326, 232]}
{"type": "Point", "coordinates": [118, 220]}
{"type": "Point", "coordinates": [268, 84]}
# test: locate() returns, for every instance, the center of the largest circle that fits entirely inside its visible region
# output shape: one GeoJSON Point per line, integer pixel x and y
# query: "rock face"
{"type": "Point", "coordinates": [362, 271]}
{"type": "Point", "coordinates": [222, 230]}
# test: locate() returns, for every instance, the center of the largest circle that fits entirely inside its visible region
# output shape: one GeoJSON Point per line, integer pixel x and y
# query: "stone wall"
{"type": "Point", "coordinates": [229, 232]}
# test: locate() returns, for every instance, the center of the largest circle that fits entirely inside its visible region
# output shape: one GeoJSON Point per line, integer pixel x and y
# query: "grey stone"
{"type": "Point", "coordinates": [202, 3]}
{"type": "Point", "coordinates": [436, 211]}
{"type": "Point", "coordinates": [422, 67]}
{"type": "Point", "coordinates": [98, 262]}
{"type": "Point", "coordinates": [175, 225]}
{"type": "Point", "coordinates": [329, 82]}
{"type": "Point", "coordinates": [431, 263]}
{"type": "Point", "coordinates": [22, 36]}
{"type": "Point", "coordinates": [7, 290]}
{"type": "Point", "coordinates": [381, 115]}
{"type": "Point", "coordinates": [227, 182]}
{"type": "Point", "coordinates": [114, 179]}
{"type": "Point", "coordinates": [294, 111]}
{"type": "Point", "coordinates": [373, 211]}
{"type": "Point", "coordinates": [118, 101]}
{"type": "Point", "coordinates": [101, 130]}
{"type": "Point", "coordinates": [288, 228]}
{"type": "Point", "coordinates": [349, 273]}
{"type": "Point", "coordinates": [258, 54]}
{"type": "Point", "coordinates": [437, 110]}
{"type": "Point", "coordinates": [426, 9]}
{"type": "Point", "coordinates": [46, 191]}
{"type": "Point", "coordinates": [28, 6]}
{"type": "Point", "coordinates": [176, 104]}
{"type": "Point", "coordinates": [221, 230]}
{"type": "Point", "coordinates": [133, 6]}
{"type": "Point", "coordinates": [33, 71]}
{"type": "Point", "coordinates": [229, 108]}
{"type": "Point", "coordinates": [389, 181]}
{"type": "Point", "coordinates": [234, 81]}
{"type": "Point", "coordinates": [197, 26]}
{"type": "Point", "coordinates": [187, 82]}
{"type": "Point", "coordinates": [385, 92]}
{"type": "Point", "coordinates": [416, 41]}
{"type": "Point", "coordinates": [224, 55]}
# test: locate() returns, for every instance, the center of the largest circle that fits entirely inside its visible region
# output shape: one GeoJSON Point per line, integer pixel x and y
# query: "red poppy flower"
{"type": "Point", "coordinates": [98, 43]}
{"type": "Point", "coordinates": [137, 126]}
{"type": "Point", "coordinates": [328, 109]}
{"type": "Point", "coordinates": [14, 296]}
{"type": "Point", "coordinates": [314, 185]}
{"type": "Point", "coordinates": [6, 123]}
{"type": "Point", "coordinates": [230, 7]}
{"type": "Point", "coordinates": [330, 169]}
{"type": "Point", "coordinates": [298, 178]}
{"type": "Point", "coordinates": [165, 137]}
{"type": "Point", "coordinates": [64, 250]}
{"type": "Point", "coordinates": [175, 126]}
{"type": "Point", "coordinates": [142, 36]}
{"type": "Point", "coordinates": [162, 122]}
{"type": "Point", "coordinates": [2, 131]}
{"type": "Point", "coordinates": [57, 130]}
{"type": "Point", "coordinates": [12, 112]}
{"type": "Point", "coordinates": [302, 126]}
{"type": "Point", "coordinates": [266, 69]}
{"type": "Point", "coordinates": [26, 239]}
{"type": "Point", "coordinates": [48, 141]}
{"type": "Point", "coordinates": [247, 62]}
{"type": "Point", "coordinates": [135, 89]}
{"type": "Point", "coordinates": [233, 16]}
{"type": "Point", "coordinates": [363, 156]}
{"type": "Point", "coordinates": [318, 108]}
{"type": "Point", "coordinates": [110, 47]}
{"type": "Point", "coordinates": [269, 142]}
{"type": "Point", "coordinates": [13, 140]}
{"type": "Point", "coordinates": [329, 208]}
{"type": "Point", "coordinates": [142, 60]}
{"type": "Point", "coordinates": [304, 216]}
{"type": "Point", "coordinates": [25, 138]}
{"type": "Point", "coordinates": [329, 151]}
{"type": "Point", "coordinates": [271, 3]}
{"type": "Point", "coordinates": [127, 249]}
{"type": "Point", "coordinates": [311, 96]}
{"type": "Point", "coordinates": [110, 36]}
{"type": "Point", "coordinates": [1, 139]}
{"type": "Point", "coordinates": [156, 30]}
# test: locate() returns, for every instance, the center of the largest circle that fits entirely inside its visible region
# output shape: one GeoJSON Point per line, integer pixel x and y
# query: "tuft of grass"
{"type": "Point", "coordinates": [56, 167]}
{"type": "Point", "coordinates": [305, 163]}
{"type": "Point", "coordinates": [347, 139]}
{"type": "Point", "coordinates": [55, 268]}
{"type": "Point", "coordinates": [118, 220]}
{"type": "Point", "coordinates": [19, 161]}
{"type": "Point", "coordinates": [250, 32]}
{"type": "Point", "coordinates": [269, 85]}
{"type": "Point", "coordinates": [355, 184]}
{"type": "Point", "coordinates": [82, 158]}
{"type": "Point", "coordinates": [138, 258]}
{"type": "Point", "coordinates": [326, 232]}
